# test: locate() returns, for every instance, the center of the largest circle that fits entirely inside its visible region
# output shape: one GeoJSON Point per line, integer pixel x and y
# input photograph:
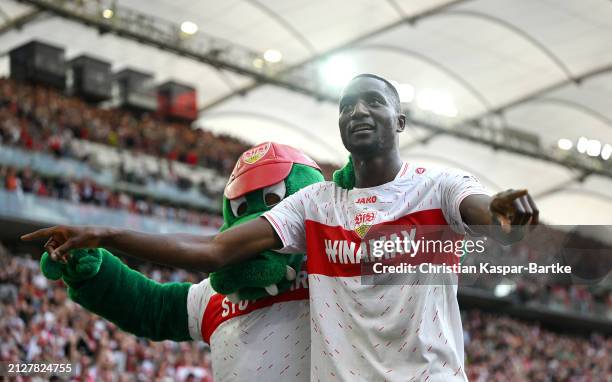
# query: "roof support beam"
{"type": "Point", "coordinates": [591, 193]}
{"type": "Point", "coordinates": [19, 21]}
{"type": "Point", "coordinates": [285, 25]}
{"type": "Point", "coordinates": [515, 30]}
{"type": "Point", "coordinates": [523, 98]}
{"type": "Point", "coordinates": [223, 54]}
{"type": "Point", "coordinates": [440, 158]}
{"type": "Point", "coordinates": [529, 97]}
{"type": "Point", "coordinates": [431, 62]}
{"type": "Point", "coordinates": [410, 19]}
{"type": "Point", "coordinates": [559, 186]}
{"type": "Point", "coordinates": [474, 133]}
{"type": "Point", "coordinates": [396, 7]}
{"type": "Point", "coordinates": [149, 30]}
{"type": "Point", "coordinates": [575, 106]}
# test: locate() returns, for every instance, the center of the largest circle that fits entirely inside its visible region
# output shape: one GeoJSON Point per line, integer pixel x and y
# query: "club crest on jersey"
{"type": "Point", "coordinates": [420, 170]}
{"type": "Point", "coordinates": [363, 222]}
{"type": "Point", "coordinates": [256, 153]}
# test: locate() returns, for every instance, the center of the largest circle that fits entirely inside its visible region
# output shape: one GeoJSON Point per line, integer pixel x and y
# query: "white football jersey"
{"type": "Point", "coordinates": [360, 332]}
{"type": "Point", "coordinates": [263, 340]}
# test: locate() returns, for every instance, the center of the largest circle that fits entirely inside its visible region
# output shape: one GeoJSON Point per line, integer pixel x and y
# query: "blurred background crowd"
{"type": "Point", "coordinates": [39, 323]}
{"type": "Point", "coordinates": [88, 192]}
{"type": "Point", "coordinates": [500, 349]}
{"type": "Point", "coordinates": [39, 118]}
{"type": "Point", "coordinates": [589, 296]}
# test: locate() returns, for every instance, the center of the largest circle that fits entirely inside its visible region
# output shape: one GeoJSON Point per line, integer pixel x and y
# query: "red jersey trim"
{"type": "Point", "coordinates": [332, 250]}
{"type": "Point", "coordinates": [404, 170]}
{"type": "Point", "coordinates": [218, 305]}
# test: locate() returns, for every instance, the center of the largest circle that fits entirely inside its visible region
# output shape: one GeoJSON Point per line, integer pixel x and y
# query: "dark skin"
{"type": "Point", "coordinates": [369, 123]}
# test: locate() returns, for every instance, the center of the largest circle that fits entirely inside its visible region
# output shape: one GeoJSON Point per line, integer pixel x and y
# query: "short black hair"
{"type": "Point", "coordinates": [395, 98]}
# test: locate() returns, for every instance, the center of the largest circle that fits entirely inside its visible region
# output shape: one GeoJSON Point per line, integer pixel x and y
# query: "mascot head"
{"type": "Point", "coordinates": [262, 177]}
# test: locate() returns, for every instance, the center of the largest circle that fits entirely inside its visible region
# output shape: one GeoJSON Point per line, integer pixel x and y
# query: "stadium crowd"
{"type": "Point", "coordinates": [38, 322]}
{"type": "Point", "coordinates": [577, 298]}
{"type": "Point", "coordinates": [38, 118]}
{"type": "Point", "coordinates": [88, 192]}
{"type": "Point", "coordinates": [504, 349]}
{"type": "Point", "coordinates": [592, 296]}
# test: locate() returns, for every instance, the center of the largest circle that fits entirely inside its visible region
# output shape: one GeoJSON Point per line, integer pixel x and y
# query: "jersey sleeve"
{"type": "Point", "coordinates": [288, 220]}
{"type": "Point", "coordinates": [454, 186]}
{"type": "Point", "coordinates": [198, 298]}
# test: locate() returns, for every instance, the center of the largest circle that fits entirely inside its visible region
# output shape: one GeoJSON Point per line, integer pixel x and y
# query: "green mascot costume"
{"type": "Point", "coordinates": [262, 177]}
{"type": "Point", "coordinates": [104, 285]}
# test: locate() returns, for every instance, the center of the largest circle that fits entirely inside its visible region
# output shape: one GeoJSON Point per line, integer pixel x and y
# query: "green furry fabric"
{"type": "Point", "coordinates": [248, 279]}
{"type": "Point", "coordinates": [256, 274]}
{"type": "Point", "coordinates": [345, 177]}
{"type": "Point", "coordinates": [302, 176]}
{"type": "Point", "coordinates": [49, 268]}
{"type": "Point", "coordinates": [104, 285]}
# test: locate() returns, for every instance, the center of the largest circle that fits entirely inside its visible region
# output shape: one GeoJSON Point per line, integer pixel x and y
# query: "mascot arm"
{"type": "Point", "coordinates": [133, 302]}
{"type": "Point", "coordinates": [267, 275]}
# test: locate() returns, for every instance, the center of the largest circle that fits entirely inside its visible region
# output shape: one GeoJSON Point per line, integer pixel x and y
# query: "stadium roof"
{"type": "Point", "coordinates": [531, 72]}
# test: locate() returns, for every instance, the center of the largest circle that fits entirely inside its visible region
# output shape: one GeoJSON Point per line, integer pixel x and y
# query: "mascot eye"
{"type": "Point", "coordinates": [275, 193]}
{"type": "Point", "coordinates": [239, 206]}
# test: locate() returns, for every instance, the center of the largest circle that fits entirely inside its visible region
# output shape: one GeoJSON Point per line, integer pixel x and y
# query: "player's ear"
{"type": "Point", "coordinates": [401, 122]}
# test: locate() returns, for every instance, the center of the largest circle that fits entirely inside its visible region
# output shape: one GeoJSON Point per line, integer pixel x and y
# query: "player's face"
{"type": "Point", "coordinates": [368, 120]}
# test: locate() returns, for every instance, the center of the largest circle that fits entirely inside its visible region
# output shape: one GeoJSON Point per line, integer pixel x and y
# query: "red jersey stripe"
{"type": "Point", "coordinates": [219, 309]}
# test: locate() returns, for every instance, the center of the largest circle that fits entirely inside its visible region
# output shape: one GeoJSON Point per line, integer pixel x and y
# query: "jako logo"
{"type": "Point", "coordinates": [368, 200]}
{"type": "Point", "coordinates": [420, 170]}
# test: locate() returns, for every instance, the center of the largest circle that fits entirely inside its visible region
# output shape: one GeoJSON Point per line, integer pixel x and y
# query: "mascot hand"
{"type": "Point", "coordinates": [82, 265]}
{"type": "Point", "coordinates": [268, 274]}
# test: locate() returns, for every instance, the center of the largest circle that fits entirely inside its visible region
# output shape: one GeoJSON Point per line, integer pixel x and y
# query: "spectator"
{"type": "Point", "coordinates": [87, 192]}
{"type": "Point", "coordinates": [503, 349]}
{"type": "Point", "coordinates": [11, 181]}
{"type": "Point", "coordinates": [37, 118]}
{"type": "Point", "coordinates": [38, 323]}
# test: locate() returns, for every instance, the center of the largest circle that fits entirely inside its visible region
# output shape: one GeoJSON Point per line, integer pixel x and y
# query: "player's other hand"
{"type": "Point", "coordinates": [514, 210]}
{"type": "Point", "coordinates": [62, 238]}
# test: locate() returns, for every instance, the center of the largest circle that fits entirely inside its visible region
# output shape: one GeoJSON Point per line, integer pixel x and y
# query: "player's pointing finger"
{"type": "Point", "coordinates": [40, 234]}
{"type": "Point", "coordinates": [514, 194]}
{"type": "Point", "coordinates": [536, 212]}
{"type": "Point", "coordinates": [64, 248]}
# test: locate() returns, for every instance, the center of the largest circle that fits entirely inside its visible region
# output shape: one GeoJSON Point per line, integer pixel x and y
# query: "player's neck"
{"type": "Point", "coordinates": [373, 171]}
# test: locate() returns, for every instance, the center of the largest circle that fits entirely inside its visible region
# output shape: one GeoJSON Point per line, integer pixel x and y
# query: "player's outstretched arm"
{"type": "Point", "coordinates": [193, 252]}
{"type": "Point", "coordinates": [503, 216]}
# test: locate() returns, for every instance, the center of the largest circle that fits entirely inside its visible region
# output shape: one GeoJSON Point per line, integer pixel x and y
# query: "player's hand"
{"type": "Point", "coordinates": [514, 210]}
{"type": "Point", "coordinates": [62, 238]}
